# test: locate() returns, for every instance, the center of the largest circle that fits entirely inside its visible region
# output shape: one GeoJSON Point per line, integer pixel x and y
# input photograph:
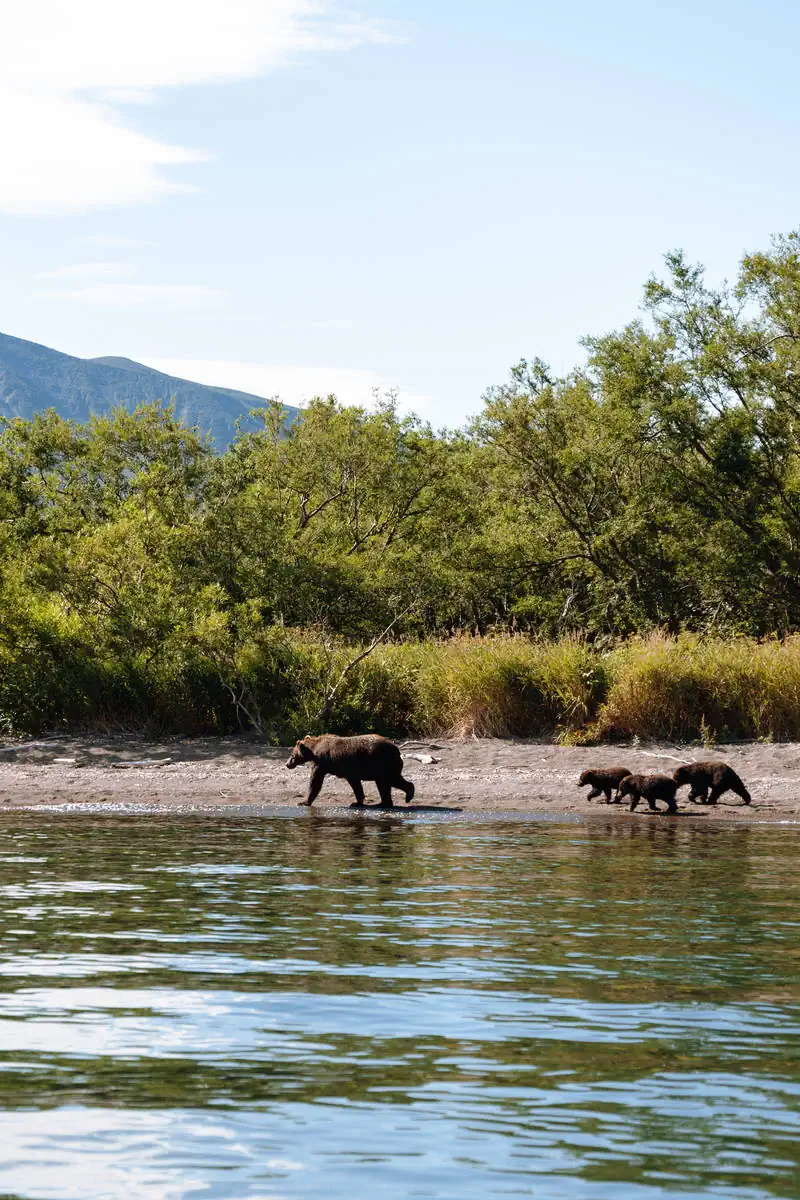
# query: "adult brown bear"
{"type": "Point", "coordinates": [716, 776]}
{"type": "Point", "coordinates": [367, 757]}
{"type": "Point", "coordinates": [651, 788]}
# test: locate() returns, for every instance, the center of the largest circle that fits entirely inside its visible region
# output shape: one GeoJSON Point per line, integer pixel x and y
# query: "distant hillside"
{"type": "Point", "coordinates": [33, 378]}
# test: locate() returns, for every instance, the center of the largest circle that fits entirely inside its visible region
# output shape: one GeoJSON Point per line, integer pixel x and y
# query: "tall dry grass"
{"type": "Point", "coordinates": [503, 687]}
{"type": "Point", "coordinates": [686, 688]}
{"type": "Point", "coordinates": [708, 689]}
{"type": "Point", "coordinates": [467, 687]}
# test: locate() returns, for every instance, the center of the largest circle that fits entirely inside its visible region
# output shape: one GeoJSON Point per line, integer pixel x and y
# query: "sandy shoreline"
{"type": "Point", "coordinates": [487, 775]}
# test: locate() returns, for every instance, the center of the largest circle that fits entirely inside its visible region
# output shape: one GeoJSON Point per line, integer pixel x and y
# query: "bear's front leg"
{"type": "Point", "coordinates": [314, 786]}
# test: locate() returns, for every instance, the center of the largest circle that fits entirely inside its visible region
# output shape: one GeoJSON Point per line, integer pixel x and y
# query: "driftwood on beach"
{"type": "Point", "coordinates": [141, 762]}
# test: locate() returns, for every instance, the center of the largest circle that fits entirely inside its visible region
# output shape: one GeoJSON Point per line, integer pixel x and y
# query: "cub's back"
{"type": "Point", "coordinates": [656, 786]}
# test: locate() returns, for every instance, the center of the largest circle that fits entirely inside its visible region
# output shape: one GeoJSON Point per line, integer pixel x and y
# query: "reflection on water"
{"type": "Point", "coordinates": [274, 1007]}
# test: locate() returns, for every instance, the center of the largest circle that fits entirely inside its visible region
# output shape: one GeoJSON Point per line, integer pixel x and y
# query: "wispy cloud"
{"type": "Point", "coordinates": [115, 241]}
{"type": "Point", "coordinates": [90, 270]}
{"type": "Point", "coordinates": [65, 69]}
{"type": "Point", "coordinates": [292, 384]}
{"type": "Point", "coordinates": [140, 295]}
{"type": "Point", "coordinates": [325, 323]}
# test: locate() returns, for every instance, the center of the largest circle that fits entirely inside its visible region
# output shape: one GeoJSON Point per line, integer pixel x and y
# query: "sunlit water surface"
{"type": "Point", "coordinates": [311, 1007]}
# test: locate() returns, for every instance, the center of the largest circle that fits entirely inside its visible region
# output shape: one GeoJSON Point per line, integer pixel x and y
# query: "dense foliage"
{"type": "Point", "coordinates": [655, 487]}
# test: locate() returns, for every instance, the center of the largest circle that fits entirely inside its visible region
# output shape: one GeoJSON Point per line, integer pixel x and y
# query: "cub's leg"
{"type": "Point", "coordinates": [594, 792]}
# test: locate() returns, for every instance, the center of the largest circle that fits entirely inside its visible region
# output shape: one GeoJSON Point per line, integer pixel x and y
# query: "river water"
{"type": "Point", "coordinates": [273, 1006]}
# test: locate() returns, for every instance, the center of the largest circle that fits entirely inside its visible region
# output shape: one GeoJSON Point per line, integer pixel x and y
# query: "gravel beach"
{"type": "Point", "coordinates": [485, 775]}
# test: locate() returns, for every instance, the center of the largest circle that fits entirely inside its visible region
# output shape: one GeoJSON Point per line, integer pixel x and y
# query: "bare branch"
{"type": "Point", "coordinates": [332, 692]}
{"type": "Point", "coordinates": [238, 699]}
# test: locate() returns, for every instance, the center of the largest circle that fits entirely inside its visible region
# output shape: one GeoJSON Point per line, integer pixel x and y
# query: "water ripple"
{"type": "Point", "coordinates": [235, 1006]}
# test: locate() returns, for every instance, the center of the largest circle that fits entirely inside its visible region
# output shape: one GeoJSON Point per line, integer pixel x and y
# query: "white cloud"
{"type": "Point", "coordinates": [140, 295]}
{"type": "Point", "coordinates": [294, 385]}
{"type": "Point", "coordinates": [91, 270]}
{"type": "Point", "coordinates": [63, 68]}
{"type": "Point", "coordinates": [63, 154]}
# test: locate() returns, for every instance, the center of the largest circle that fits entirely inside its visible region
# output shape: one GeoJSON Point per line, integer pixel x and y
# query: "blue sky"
{"type": "Point", "coordinates": [290, 197]}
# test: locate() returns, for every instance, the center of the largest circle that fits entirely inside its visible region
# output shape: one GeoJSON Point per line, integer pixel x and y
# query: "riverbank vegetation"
{"type": "Point", "coordinates": [611, 553]}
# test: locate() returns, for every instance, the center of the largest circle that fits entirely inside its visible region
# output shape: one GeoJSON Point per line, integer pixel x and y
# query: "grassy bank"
{"type": "Point", "coordinates": [286, 683]}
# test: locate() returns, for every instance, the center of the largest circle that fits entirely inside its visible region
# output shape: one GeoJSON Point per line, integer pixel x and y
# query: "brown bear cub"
{"type": "Point", "coordinates": [604, 781]}
{"type": "Point", "coordinates": [368, 757]}
{"type": "Point", "coordinates": [652, 788]}
{"type": "Point", "coordinates": [717, 777]}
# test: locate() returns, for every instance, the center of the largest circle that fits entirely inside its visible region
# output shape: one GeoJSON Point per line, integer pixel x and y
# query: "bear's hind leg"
{"type": "Point", "coordinates": [404, 785]}
{"type": "Point", "coordinates": [385, 790]}
{"type": "Point", "coordinates": [740, 790]}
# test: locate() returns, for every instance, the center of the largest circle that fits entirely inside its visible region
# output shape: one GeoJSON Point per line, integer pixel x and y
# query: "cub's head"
{"type": "Point", "coordinates": [586, 777]}
{"type": "Point", "coordinates": [626, 788]}
{"type": "Point", "coordinates": [681, 776]}
{"type": "Point", "coordinates": [301, 753]}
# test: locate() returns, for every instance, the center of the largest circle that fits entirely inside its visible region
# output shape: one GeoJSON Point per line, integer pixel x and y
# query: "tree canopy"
{"type": "Point", "coordinates": [655, 486]}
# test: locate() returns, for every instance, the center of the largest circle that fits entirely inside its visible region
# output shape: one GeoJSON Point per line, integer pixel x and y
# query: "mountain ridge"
{"type": "Point", "coordinates": [34, 377]}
